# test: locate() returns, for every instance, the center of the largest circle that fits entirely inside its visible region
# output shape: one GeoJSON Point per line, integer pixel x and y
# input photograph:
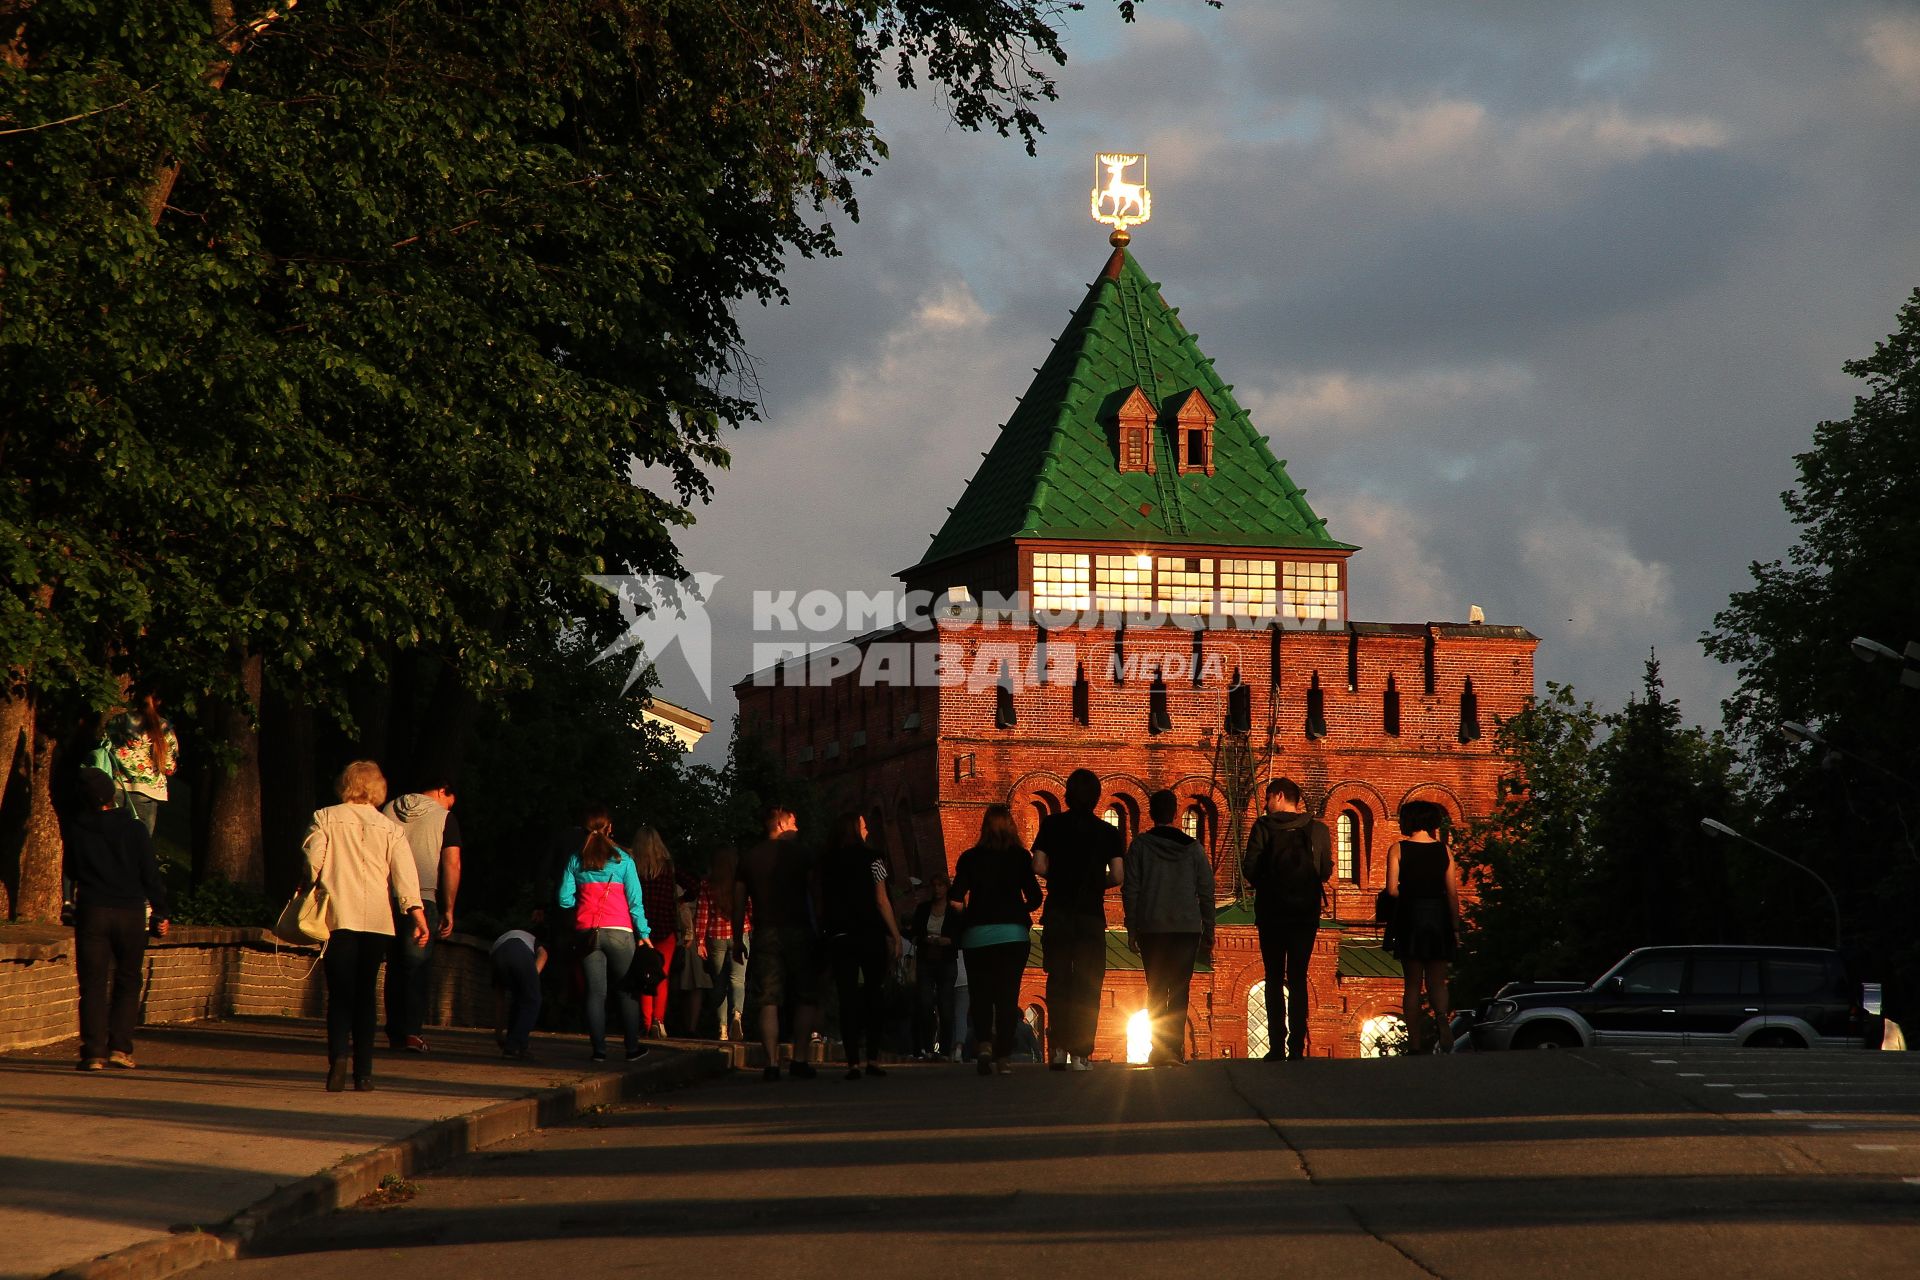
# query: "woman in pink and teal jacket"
{"type": "Point", "coordinates": [603, 888]}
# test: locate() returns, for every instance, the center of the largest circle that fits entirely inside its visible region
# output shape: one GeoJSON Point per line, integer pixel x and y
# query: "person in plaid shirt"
{"type": "Point", "coordinates": [724, 962]}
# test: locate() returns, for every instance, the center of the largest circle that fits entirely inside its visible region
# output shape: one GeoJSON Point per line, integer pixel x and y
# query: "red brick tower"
{"type": "Point", "coordinates": [1188, 629]}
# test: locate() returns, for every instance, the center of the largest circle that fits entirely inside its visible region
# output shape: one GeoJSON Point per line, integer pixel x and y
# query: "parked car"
{"type": "Point", "coordinates": [1700, 996]}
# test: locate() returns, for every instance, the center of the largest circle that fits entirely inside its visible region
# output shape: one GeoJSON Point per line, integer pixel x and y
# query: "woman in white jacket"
{"type": "Point", "coordinates": [359, 856]}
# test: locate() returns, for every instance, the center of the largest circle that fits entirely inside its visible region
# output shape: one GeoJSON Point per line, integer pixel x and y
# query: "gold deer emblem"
{"type": "Point", "coordinates": [1117, 202]}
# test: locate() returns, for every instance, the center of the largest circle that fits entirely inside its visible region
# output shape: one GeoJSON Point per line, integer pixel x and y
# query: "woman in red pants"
{"type": "Point", "coordinates": [661, 899]}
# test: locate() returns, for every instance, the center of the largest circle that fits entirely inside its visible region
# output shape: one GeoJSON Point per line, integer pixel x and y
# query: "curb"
{"type": "Point", "coordinates": [345, 1183]}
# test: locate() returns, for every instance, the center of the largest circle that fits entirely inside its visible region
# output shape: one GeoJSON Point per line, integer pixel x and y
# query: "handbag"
{"type": "Point", "coordinates": [308, 915]}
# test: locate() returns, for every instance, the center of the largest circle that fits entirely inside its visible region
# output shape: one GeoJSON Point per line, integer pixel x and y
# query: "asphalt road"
{"type": "Point", "coordinates": [1762, 1163]}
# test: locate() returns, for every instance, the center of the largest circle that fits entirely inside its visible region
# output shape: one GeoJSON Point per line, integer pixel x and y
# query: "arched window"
{"type": "Point", "coordinates": [1115, 818]}
{"type": "Point", "coordinates": [1194, 823]}
{"type": "Point", "coordinates": [1352, 843]}
{"type": "Point", "coordinates": [1383, 1037]}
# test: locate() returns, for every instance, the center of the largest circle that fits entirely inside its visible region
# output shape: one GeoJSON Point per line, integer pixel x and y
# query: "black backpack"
{"type": "Point", "coordinates": [1290, 878]}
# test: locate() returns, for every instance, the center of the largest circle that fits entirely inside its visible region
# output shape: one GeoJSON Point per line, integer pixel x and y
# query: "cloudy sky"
{"type": "Point", "coordinates": [1538, 301]}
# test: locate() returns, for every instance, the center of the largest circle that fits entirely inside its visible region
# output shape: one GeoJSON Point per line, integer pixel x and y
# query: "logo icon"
{"type": "Point", "coordinates": [662, 614]}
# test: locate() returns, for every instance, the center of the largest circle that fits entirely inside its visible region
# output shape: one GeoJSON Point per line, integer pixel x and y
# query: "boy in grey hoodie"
{"type": "Point", "coordinates": [1168, 897]}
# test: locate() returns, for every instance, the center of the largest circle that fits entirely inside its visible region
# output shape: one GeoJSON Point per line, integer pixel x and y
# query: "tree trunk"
{"type": "Point", "coordinates": [235, 846]}
{"type": "Point", "coordinates": [289, 787]}
{"type": "Point", "coordinates": [14, 708]}
{"type": "Point", "coordinates": [42, 857]}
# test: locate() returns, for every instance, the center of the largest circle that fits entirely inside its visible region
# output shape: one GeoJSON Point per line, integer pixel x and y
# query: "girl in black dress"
{"type": "Point", "coordinates": [1425, 883]}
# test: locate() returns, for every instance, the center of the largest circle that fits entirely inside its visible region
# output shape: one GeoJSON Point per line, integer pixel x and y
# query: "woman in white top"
{"type": "Point", "coordinates": [359, 856]}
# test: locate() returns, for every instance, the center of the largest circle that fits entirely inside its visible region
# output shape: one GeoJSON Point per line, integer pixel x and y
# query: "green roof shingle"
{"type": "Point", "coordinates": [1052, 473]}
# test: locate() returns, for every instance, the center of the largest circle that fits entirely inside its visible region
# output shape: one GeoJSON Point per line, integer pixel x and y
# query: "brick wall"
{"type": "Point", "coordinates": [928, 785]}
{"type": "Point", "coordinates": [198, 973]}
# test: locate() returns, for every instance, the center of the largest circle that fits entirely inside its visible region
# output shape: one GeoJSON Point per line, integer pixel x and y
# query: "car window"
{"type": "Point", "coordinates": [1724, 976]}
{"type": "Point", "coordinates": [1798, 977]}
{"type": "Point", "coordinates": [1656, 976]}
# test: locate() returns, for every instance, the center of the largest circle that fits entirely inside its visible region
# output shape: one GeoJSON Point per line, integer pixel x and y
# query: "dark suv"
{"type": "Point", "coordinates": [1667, 997]}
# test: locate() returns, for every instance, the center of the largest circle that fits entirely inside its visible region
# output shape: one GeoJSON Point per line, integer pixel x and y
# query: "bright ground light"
{"type": "Point", "coordinates": [1139, 1037]}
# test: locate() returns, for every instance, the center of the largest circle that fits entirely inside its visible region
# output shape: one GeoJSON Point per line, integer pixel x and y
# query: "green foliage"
{"type": "Point", "coordinates": [1597, 847]}
{"type": "Point", "coordinates": [219, 903]}
{"type": "Point", "coordinates": [431, 287]}
{"type": "Point", "coordinates": [1855, 570]}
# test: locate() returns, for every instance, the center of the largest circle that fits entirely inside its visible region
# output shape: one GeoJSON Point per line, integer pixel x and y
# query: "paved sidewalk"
{"type": "Point", "coordinates": [216, 1118]}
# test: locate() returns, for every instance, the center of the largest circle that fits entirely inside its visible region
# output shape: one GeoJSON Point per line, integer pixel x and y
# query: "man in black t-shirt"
{"type": "Point", "coordinates": [1079, 856]}
{"type": "Point", "coordinates": [777, 878]}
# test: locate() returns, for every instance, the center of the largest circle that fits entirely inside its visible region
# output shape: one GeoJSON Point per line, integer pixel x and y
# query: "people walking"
{"type": "Point", "coordinates": [1288, 860]}
{"type": "Point", "coordinates": [726, 956]}
{"type": "Point", "coordinates": [862, 937]}
{"type": "Point", "coordinates": [140, 752]}
{"type": "Point", "coordinates": [1080, 857]}
{"type": "Point", "coordinates": [433, 834]}
{"type": "Point", "coordinates": [368, 870]}
{"type": "Point", "coordinates": [1168, 898]}
{"type": "Point", "coordinates": [934, 932]}
{"type": "Point", "coordinates": [693, 977]}
{"type": "Point", "coordinates": [993, 882]}
{"type": "Point", "coordinates": [110, 860]}
{"type": "Point", "coordinates": [782, 968]}
{"type": "Point", "coordinates": [1424, 881]}
{"type": "Point", "coordinates": [601, 886]}
{"type": "Point", "coordinates": [661, 892]}
{"type": "Point", "coordinates": [517, 958]}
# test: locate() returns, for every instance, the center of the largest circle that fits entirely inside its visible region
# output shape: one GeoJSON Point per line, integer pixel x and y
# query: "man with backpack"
{"type": "Point", "coordinates": [1289, 859]}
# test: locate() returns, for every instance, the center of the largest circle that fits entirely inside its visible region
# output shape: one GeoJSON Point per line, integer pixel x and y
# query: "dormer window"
{"type": "Point", "coordinates": [1193, 434]}
{"type": "Point", "coordinates": [1134, 423]}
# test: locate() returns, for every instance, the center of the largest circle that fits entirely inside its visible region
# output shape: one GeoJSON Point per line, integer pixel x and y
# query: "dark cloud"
{"type": "Point", "coordinates": [1539, 300]}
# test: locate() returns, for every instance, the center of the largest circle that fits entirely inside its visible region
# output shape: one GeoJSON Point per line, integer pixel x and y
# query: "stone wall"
{"type": "Point", "coordinates": [196, 973]}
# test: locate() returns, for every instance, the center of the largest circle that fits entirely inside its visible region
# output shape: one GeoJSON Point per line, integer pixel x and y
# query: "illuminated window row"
{"type": "Point", "coordinates": [1302, 589]}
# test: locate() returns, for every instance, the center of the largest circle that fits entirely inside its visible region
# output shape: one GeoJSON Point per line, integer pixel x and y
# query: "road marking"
{"type": "Point", "coordinates": [1788, 1111]}
{"type": "Point", "coordinates": [1749, 1095]}
{"type": "Point", "coordinates": [1664, 1062]}
{"type": "Point", "coordinates": [1690, 1075]}
{"type": "Point", "coordinates": [1874, 1146]}
{"type": "Point", "coordinates": [1830, 1126]}
{"type": "Point", "coordinates": [1719, 1086]}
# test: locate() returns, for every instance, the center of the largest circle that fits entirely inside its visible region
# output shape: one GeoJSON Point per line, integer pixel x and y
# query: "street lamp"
{"type": "Point", "coordinates": [1869, 650]}
{"type": "Point", "coordinates": [1796, 731]}
{"type": "Point", "coordinates": [1713, 828]}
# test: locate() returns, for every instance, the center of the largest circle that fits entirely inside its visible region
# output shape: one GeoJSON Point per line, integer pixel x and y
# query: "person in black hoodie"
{"type": "Point", "coordinates": [993, 882]}
{"type": "Point", "coordinates": [115, 875]}
{"type": "Point", "coordinates": [863, 939]}
{"type": "Point", "coordinates": [1167, 891]}
{"type": "Point", "coordinates": [1289, 858]}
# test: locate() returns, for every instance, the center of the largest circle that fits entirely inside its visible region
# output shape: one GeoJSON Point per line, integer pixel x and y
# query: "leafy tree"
{"type": "Point", "coordinates": [1597, 849]}
{"type": "Point", "coordinates": [335, 335]}
{"type": "Point", "coordinates": [1854, 571]}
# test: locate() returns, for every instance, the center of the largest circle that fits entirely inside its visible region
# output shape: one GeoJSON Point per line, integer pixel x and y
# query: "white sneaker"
{"type": "Point", "coordinates": [1079, 1063]}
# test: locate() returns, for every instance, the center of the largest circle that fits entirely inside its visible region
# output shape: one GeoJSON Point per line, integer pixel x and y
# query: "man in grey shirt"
{"type": "Point", "coordinates": [433, 834]}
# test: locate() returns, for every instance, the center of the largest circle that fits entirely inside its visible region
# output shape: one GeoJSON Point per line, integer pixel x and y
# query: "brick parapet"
{"type": "Point", "coordinates": [196, 973]}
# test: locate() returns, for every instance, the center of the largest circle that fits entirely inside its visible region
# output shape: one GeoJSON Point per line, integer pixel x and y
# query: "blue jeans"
{"type": "Point", "coordinates": [607, 960]}
{"type": "Point", "coordinates": [729, 979]}
{"type": "Point", "coordinates": [515, 973]}
{"type": "Point", "coordinates": [410, 978]}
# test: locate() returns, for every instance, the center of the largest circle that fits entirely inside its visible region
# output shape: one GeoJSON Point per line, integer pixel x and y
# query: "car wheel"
{"type": "Point", "coordinates": [1776, 1039]}
{"type": "Point", "coordinates": [1547, 1035]}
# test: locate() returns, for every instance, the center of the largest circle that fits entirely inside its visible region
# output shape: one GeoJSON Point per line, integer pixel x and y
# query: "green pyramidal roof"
{"type": "Point", "coordinates": [1052, 473]}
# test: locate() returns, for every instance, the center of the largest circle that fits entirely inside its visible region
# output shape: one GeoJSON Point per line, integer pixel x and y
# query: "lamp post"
{"type": "Point", "coordinates": [1795, 731]}
{"type": "Point", "coordinates": [1870, 650]}
{"type": "Point", "coordinates": [1713, 828]}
